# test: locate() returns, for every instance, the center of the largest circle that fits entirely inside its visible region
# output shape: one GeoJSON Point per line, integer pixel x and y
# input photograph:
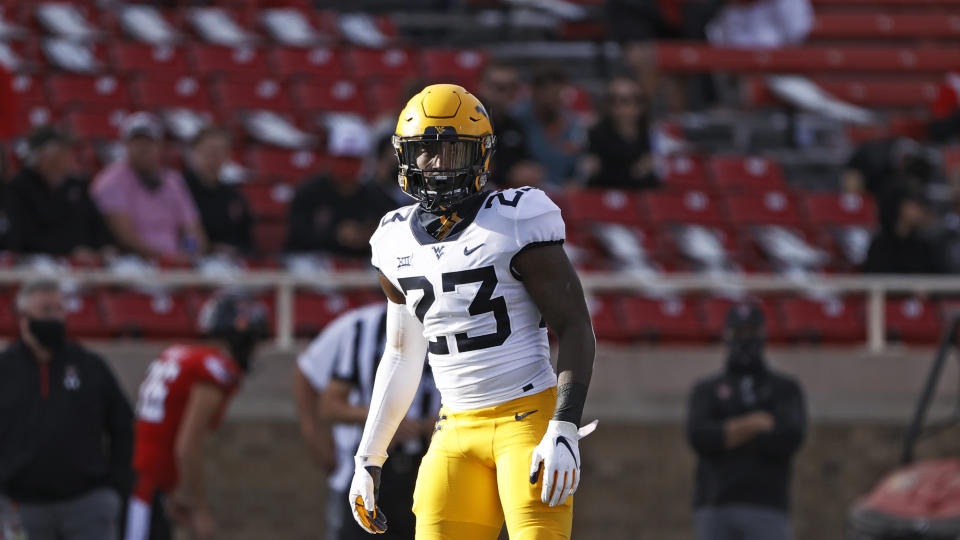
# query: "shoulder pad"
{"type": "Point", "coordinates": [520, 203]}
{"type": "Point", "coordinates": [400, 215]}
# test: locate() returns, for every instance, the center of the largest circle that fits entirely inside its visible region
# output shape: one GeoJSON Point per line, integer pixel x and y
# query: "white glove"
{"type": "Point", "coordinates": [558, 454]}
{"type": "Point", "coordinates": [364, 490]}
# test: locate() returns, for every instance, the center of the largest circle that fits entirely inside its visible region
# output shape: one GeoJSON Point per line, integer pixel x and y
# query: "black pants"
{"type": "Point", "coordinates": [397, 480]}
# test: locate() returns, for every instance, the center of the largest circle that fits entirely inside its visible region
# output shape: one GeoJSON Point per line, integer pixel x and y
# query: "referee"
{"type": "Point", "coordinates": [333, 382]}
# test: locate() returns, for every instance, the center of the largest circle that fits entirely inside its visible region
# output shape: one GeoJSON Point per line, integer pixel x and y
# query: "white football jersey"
{"type": "Point", "coordinates": [487, 341]}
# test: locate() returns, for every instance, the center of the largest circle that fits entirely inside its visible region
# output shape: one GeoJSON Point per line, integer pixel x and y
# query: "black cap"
{"type": "Point", "coordinates": [745, 315]}
{"type": "Point", "coordinates": [43, 135]}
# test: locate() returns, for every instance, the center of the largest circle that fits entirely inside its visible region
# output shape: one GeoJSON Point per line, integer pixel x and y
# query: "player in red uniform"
{"type": "Point", "coordinates": [182, 399]}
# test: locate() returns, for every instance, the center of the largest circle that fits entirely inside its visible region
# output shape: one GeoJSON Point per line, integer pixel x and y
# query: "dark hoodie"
{"type": "Point", "coordinates": [758, 471]}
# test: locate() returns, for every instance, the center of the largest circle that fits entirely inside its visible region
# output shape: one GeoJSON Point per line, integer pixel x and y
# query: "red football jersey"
{"type": "Point", "coordinates": [160, 406]}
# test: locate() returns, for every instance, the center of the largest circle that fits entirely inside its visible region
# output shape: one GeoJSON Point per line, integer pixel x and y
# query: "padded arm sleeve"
{"type": "Point", "coordinates": [395, 385]}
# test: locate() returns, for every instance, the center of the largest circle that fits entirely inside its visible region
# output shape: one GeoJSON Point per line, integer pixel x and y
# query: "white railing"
{"type": "Point", "coordinates": [875, 286]}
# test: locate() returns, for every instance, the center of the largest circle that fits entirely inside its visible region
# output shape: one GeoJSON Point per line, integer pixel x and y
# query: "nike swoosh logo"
{"type": "Point", "coordinates": [518, 416]}
{"type": "Point", "coordinates": [467, 251]}
{"type": "Point", "coordinates": [566, 443]}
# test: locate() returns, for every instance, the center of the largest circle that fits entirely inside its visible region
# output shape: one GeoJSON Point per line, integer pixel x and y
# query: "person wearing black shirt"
{"type": "Point", "coordinates": [512, 163]}
{"type": "Point", "coordinates": [50, 211]}
{"type": "Point", "coordinates": [335, 216]}
{"type": "Point", "coordinates": [619, 145]}
{"type": "Point", "coordinates": [224, 211]}
{"type": "Point", "coordinates": [900, 246]}
{"type": "Point", "coordinates": [66, 428]}
{"type": "Point", "coordinates": [745, 425]}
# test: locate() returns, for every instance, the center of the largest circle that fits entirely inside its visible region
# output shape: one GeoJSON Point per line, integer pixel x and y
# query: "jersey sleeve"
{"type": "Point", "coordinates": [536, 219]}
{"type": "Point", "coordinates": [219, 371]}
{"type": "Point", "coordinates": [381, 239]}
{"type": "Point", "coordinates": [317, 362]}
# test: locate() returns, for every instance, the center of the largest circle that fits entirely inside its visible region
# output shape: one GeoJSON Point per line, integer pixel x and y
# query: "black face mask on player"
{"type": "Point", "coordinates": [745, 338]}
{"type": "Point", "coordinates": [441, 172]}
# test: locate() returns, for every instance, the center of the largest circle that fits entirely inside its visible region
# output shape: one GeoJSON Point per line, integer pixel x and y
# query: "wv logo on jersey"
{"type": "Point", "coordinates": [438, 251]}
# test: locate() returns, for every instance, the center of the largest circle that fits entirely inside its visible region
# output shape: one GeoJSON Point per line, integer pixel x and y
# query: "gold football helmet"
{"type": "Point", "coordinates": [444, 141]}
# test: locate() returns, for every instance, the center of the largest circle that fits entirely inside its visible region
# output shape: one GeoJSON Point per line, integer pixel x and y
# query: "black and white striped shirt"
{"type": "Point", "coordinates": [349, 349]}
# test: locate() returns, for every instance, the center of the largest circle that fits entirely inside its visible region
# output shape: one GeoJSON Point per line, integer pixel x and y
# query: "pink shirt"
{"type": "Point", "coordinates": [156, 215]}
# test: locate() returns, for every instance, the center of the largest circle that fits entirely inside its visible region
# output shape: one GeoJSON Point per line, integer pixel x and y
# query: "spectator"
{"type": "Point", "coordinates": [761, 24]}
{"type": "Point", "coordinates": [334, 215]}
{"type": "Point", "coordinates": [182, 400]}
{"type": "Point", "coordinates": [619, 145]}
{"type": "Point", "coordinates": [512, 164]}
{"type": "Point", "coordinates": [382, 176]}
{"type": "Point", "coordinates": [899, 246]}
{"type": "Point", "coordinates": [878, 165]}
{"type": "Point", "coordinates": [50, 210]}
{"type": "Point", "coordinates": [224, 212]}
{"type": "Point", "coordinates": [67, 427]}
{"type": "Point", "coordinates": [555, 135]}
{"type": "Point", "coordinates": [745, 425]}
{"type": "Point", "coordinates": [148, 207]}
{"type": "Point", "coordinates": [334, 377]}
{"type": "Point", "coordinates": [945, 124]}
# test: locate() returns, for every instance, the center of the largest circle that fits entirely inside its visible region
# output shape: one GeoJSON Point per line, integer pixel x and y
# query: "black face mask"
{"type": "Point", "coordinates": [241, 348]}
{"type": "Point", "coordinates": [745, 355]}
{"type": "Point", "coordinates": [49, 333]}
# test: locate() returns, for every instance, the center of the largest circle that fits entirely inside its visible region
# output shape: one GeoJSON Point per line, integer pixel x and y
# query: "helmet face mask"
{"type": "Point", "coordinates": [442, 171]}
{"type": "Point", "coordinates": [444, 142]}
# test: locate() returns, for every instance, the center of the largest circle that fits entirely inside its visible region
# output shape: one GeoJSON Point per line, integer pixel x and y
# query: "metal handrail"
{"type": "Point", "coordinates": [285, 283]}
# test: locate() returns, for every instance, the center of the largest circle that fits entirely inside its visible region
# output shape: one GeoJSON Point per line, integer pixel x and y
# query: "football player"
{"type": "Point", "coordinates": [182, 399]}
{"type": "Point", "coordinates": [474, 278]}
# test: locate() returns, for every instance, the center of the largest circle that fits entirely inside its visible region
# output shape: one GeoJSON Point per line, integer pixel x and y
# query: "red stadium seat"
{"type": "Point", "coordinates": [133, 313]}
{"type": "Point", "coordinates": [29, 92]}
{"type": "Point", "coordinates": [154, 60]}
{"type": "Point", "coordinates": [268, 201]}
{"type": "Point", "coordinates": [885, 25]}
{"type": "Point", "coordinates": [83, 316]}
{"type": "Point", "coordinates": [313, 311]}
{"type": "Point", "coordinates": [451, 65]}
{"type": "Point", "coordinates": [884, 92]}
{"type": "Point", "coordinates": [341, 95]}
{"type": "Point", "coordinates": [321, 62]}
{"type": "Point", "coordinates": [283, 165]}
{"type": "Point", "coordinates": [912, 320]}
{"type": "Point", "coordinates": [838, 320]}
{"type": "Point", "coordinates": [691, 206]}
{"type": "Point", "coordinates": [100, 125]}
{"type": "Point", "coordinates": [108, 91]}
{"type": "Point", "coordinates": [607, 318]}
{"type": "Point", "coordinates": [270, 236]}
{"type": "Point", "coordinates": [951, 160]}
{"type": "Point", "coordinates": [681, 171]}
{"type": "Point", "coordinates": [608, 205]}
{"type": "Point", "coordinates": [769, 208]}
{"type": "Point", "coordinates": [695, 57]}
{"type": "Point", "coordinates": [239, 63]}
{"type": "Point", "coordinates": [8, 319]}
{"type": "Point", "coordinates": [662, 319]}
{"type": "Point", "coordinates": [265, 94]}
{"type": "Point", "coordinates": [715, 313]}
{"type": "Point", "coordinates": [840, 209]}
{"type": "Point", "coordinates": [389, 63]}
{"type": "Point", "coordinates": [385, 97]}
{"type": "Point", "coordinates": [160, 92]}
{"type": "Point", "coordinates": [745, 173]}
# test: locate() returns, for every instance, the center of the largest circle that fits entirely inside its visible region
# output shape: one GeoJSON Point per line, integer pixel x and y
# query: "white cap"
{"type": "Point", "coordinates": [141, 124]}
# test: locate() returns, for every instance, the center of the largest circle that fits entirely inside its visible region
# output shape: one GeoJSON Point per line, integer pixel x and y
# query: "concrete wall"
{"type": "Point", "coordinates": [646, 383]}
{"type": "Point", "coordinates": [637, 467]}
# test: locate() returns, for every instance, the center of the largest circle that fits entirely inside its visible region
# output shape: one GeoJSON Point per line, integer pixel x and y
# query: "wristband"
{"type": "Point", "coordinates": [570, 400]}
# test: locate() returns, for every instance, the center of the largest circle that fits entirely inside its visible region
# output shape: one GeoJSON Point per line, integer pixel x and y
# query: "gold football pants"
{"type": "Point", "coordinates": [477, 473]}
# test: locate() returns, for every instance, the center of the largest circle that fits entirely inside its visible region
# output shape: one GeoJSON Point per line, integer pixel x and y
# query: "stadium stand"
{"type": "Point", "coordinates": [884, 54]}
